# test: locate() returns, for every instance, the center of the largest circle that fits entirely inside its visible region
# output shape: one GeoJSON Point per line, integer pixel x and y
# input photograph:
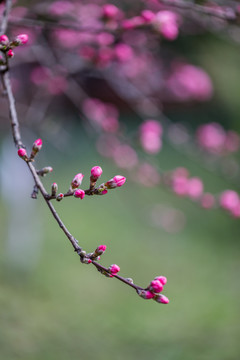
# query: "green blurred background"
{"type": "Point", "coordinates": [53, 307]}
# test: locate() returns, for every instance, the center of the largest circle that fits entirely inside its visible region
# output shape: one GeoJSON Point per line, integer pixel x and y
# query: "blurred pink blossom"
{"type": "Point", "coordinates": [229, 199]}
{"type": "Point", "coordinates": [188, 82]}
{"type": "Point", "coordinates": [166, 22]}
{"type": "Point", "coordinates": [147, 175]}
{"type": "Point", "coordinates": [125, 156]}
{"type": "Point", "coordinates": [212, 137]}
{"type": "Point", "coordinates": [150, 136]}
{"type": "Point", "coordinates": [207, 201]}
{"type": "Point", "coordinates": [194, 188]}
{"type": "Point", "coordinates": [123, 52]}
{"type": "Point", "coordinates": [59, 8]}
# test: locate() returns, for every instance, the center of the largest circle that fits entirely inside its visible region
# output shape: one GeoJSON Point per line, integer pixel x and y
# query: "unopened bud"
{"type": "Point", "coordinates": [156, 286]}
{"type": "Point", "coordinates": [21, 39]}
{"type": "Point", "coordinates": [77, 181]}
{"type": "Point", "coordinates": [4, 40]}
{"type": "Point", "coordinates": [145, 294]}
{"type": "Point", "coordinates": [117, 181]}
{"type": "Point", "coordinates": [96, 172]}
{"type": "Point", "coordinates": [10, 53]}
{"type": "Point", "coordinates": [60, 197]}
{"type": "Point", "coordinates": [79, 194]}
{"type": "Point", "coordinates": [45, 170]}
{"type": "Point", "coordinates": [162, 279]}
{"type": "Point", "coordinates": [54, 189]}
{"type": "Point", "coordinates": [100, 250]}
{"type": "Point", "coordinates": [22, 153]}
{"type": "Point", "coordinates": [114, 269]}
{"type": "Point", "coordinates": [130, 280]}
{"type": "Point", "coordinates": [37, 145]}
{"type": "Point", "coordinates": [161, 299]}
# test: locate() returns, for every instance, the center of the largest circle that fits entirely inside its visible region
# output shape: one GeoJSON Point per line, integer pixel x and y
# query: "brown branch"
{"type": "Point", "coordinates": [228, 13]}
{"type": "Point", "coordinates": [38, 183]}
{"type": "Point", "coordinates": [3, 26]}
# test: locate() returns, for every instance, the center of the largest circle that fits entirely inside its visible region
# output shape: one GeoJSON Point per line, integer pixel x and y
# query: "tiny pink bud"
{"type": "Point", "coordinates": [4, 40]}
{"type": "Point", "coordinates": [156, 286]}
{"type": "Point", "coordinates": [89, 261]}
{"type": "Point", "coordinates": [10, 53]}
{"type": "Point", "coordinates": [77, 181]}
{"type": "Point", "coordinates": [162, 279]}
{"type": "Point", "coordinates": [145, 294]}
{"type": "Point", "coordinates": [22, 153]}
{"type": "Point", "coordinates": [100, 249]}
{"type": "Point", "coordinates": [37, 145]}
{"type": "Point", "coordinates": [104, 192]}
{"type": "Point", "coordinates": [114, 269]}
{"type": "Point", "coordinates": [59, 197]}
{"type": "Point", "coordinates": [96, 172]}
{"type": "Point", "coordinates": [79, 194]}
{"type": "Point", "coordinates": [117, 181]}
{"type": "Point", "coordinates": [161, 299]}
{"type": "Point", "coordinates": [22, 39]}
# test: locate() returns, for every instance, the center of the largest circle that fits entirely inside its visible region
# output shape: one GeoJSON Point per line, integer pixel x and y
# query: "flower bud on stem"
{"type": "Point", "coordinates": [44, 171]}
{"type": "Point", "coordinates": [37, 145]}
{"type": "Point", "coordinates": [22, 153]}
{"type": "Point", "coordinates": [54, 189]}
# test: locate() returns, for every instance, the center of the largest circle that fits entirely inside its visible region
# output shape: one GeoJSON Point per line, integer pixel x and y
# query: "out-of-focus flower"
{"type": "Point", "coordinates": [188, 82]}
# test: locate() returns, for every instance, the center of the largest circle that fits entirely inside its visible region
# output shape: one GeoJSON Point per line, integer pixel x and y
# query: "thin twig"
{"type": "Point", "coordinates": [38, 183]}
{"type": "Point", "coordinates": [4, 22]}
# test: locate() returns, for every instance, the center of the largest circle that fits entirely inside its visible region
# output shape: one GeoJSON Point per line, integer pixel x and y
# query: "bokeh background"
{"type": "Point", "coordinates": [53, 307]}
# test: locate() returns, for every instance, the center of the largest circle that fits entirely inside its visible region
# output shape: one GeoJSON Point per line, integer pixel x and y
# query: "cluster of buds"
{"type": "Point", "coordinates": [76, 182]}
{"type": "Point", "coordinates": [153, 290]}
{"type": "Point", "coordinates": [6, 46]}
{"type": "Point", "coordinates": [37, 145]}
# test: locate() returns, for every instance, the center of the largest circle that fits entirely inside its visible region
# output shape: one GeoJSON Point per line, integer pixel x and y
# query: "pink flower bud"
{"type": "Point", "coordinates": [145, 294]}
{"type": "Point", "coordinates": [59, 197]}
{"type": "Point", "coordinates": [22, 153]}
{"type": "Point", "coordinates": [156, 286]}
{"type": "Point", "coordinates": [37, 145]}
{"type": "Point", "coordinates": [114, 269]}
{"type": "Point", "coordinates": [4, 40]}
{"type": "Point", "coordinates": [101, 248]}
{"type": "Point", "coordinates": [96, 172]}
{"type": "Point", "coordinates": [161, 299]}
{"type": "Point", "coordinates": [79, 194]}
{"type": "Point", "coordinates": [10, 53]}
{"type": "Point", "coordinates": [117, 181]}
{"type": "Point", "coordinates": [22, 39]}
{"type": "Point", "coordinates": [77, 181]}
{"type": "Point", "coordinates": [162, 279]}
{"type": "Point", "coordinates": [104, 192]}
